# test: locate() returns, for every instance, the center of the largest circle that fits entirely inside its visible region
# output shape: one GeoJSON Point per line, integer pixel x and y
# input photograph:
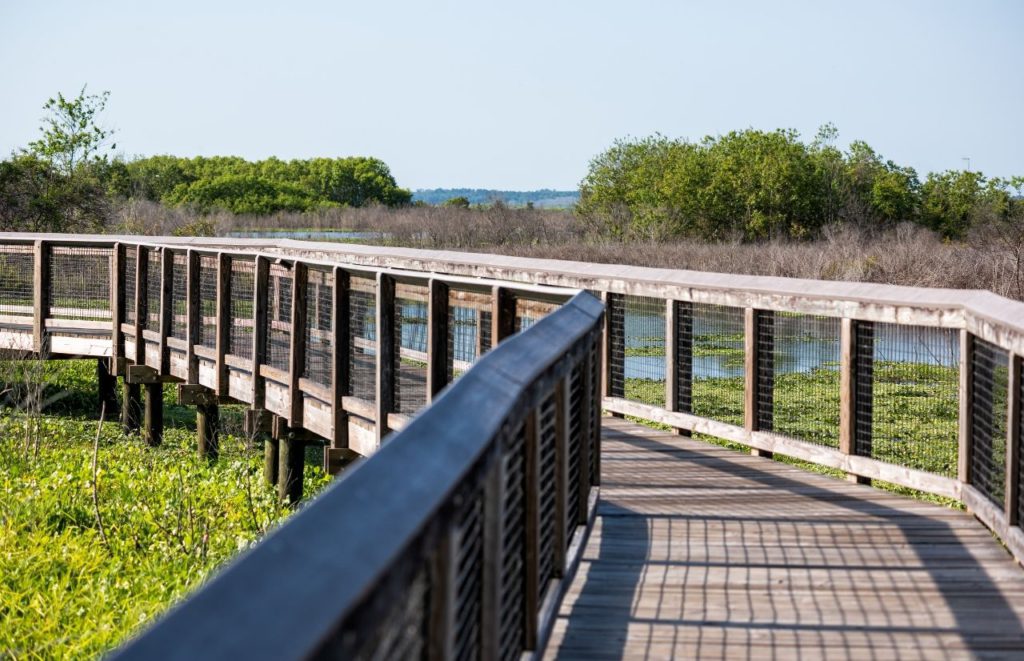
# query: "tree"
{"type": "Point", "coordinates": [71, 136]}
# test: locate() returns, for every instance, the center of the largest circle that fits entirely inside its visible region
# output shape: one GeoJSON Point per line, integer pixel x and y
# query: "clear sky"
{"type": "Point", "coordinates": [521, 95]}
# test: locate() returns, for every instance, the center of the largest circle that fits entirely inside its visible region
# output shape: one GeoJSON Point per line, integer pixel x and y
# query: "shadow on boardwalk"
{"type": "Point", "coordinates": [703, 552]}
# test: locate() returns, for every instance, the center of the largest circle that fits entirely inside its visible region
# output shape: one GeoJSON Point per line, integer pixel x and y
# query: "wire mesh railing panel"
{"type": "Point", "coordinates": [17, 266]}
{"type": "Point", "coordinates": [179, 296]}
{"type": "Point", "coordinates": [906, 397]}
{"type": "Point", "coordinates": [362, 338]}
{"type": "Point", "coordinates": [643, 343]}
{"type": "Point", "coordinates": [513, 577]}
{"type": "Point", "coordinates": [154, 282]}
{"type": "Point", "coordinates": [989, 388]}
{"type": "Point", "coordinates": [483, 331]}
{"type": "Point", "coordinates": [279, 317]}
{"type": "Point", "coordinates": [615, 309]}
{"type": "Point", "coordinates": [319, 331]}
{"type": "Point", "coordinates": [803, 388]}
{"type": "Point", "coordinates": [242, 289]}
{"type": "Point", "coordinates": [463, 339]}
{"type": "Point", "coordinates": [130, 259]}
{"type": "Point", "coordinates": [411, 350]}
{"type": "Point", "coordinates": [80, 283]}
{"type": "Point", "coordinates": [718, 369]}
{"type": "Point", "coordinates": [468, 579]}
{"type": "Point", "coordinates": [208, 301]}
{"type": "Point", "coordinates": [530, 312]}
{"type": "Point", "coordinates": [547, 422]}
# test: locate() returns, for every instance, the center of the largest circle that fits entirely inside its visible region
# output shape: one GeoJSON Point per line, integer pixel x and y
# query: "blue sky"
{"type": "Point", "coordinates": [520, 95]}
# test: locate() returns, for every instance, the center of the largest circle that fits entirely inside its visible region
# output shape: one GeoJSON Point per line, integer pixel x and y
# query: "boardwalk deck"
{"type": "Point", "coordinates": [699, 551]}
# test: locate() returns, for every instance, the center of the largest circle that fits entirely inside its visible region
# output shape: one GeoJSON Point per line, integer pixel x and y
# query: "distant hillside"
{"type": "Point", "coordinates": [540, 198]}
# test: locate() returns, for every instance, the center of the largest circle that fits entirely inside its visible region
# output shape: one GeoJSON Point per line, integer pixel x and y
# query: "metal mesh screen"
{"type": "Point", "coordinates": [989, 375]}
{"type": "Point", "coordinates": [469, 579]}
{"type": "Point", "coordinates": [279, 316]}
{"type": "Point", "coordinates": [179, 296]}
{"type": "Point", "coordinates": [483, 331]}
{"type": "Point", "coordinates": [683, 331]}
{"type": "Point", "coordinates": [530, 312]}
{"type": "Point", "coordinates": [153, 284]}
{"type": "Point", "coordinates": [243, 283]}
{"type": "Point", "coordinates": [16, 290]}
{"type": "Point", "coordinates": [615, 309]}
{"type": "Point", "coordinates": [907, 382]}
{"type": "Point", "coordinates": [546, 448]}
{"type": "Point", "coordinates": [130, 259]}
{"type": "Point", "coordinates": [319, 332]}
{"type": "Point", "coordinates": [208, 301]}
{"type": "Point", "coordinates": [513, 578]}
{"type": "Point", "coordinates": [717, 388]}
{"type": "Point", "coordinates": [80, 283]}
{"type": "Point", "coordinates": [643, 344]}
{"type": "Point", "coordinates": [362, 336]}
{"type": "Point", "coordinates": [798, 376]}
{"type": "Point", "coordinates": [411, 349]}
{"type": "Point", "coordinates": [462, 336]}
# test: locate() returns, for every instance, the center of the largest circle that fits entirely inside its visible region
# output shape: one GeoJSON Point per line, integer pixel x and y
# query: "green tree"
{"type": "Point", "coordinates": [948, 200]}
{"type": "Point", "coordinates": [71, 136]}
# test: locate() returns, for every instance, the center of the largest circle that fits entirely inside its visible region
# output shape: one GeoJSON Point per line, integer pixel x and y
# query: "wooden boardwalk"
{"type": "Point", "coordinates": [699, 551]}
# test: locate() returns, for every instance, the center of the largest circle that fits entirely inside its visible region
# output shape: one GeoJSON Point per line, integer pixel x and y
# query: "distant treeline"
{"type": "Point", "coordinates": [483, 196]}
{"type": "Point", "coordinates": [768, 184]}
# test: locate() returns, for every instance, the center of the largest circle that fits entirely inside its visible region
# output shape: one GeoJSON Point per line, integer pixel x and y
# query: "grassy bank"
{"type": "Point", "coordinates": [89, 553]}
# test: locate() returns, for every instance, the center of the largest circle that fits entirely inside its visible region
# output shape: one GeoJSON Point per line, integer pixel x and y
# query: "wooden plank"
{"type": "Point", "coordinates": [966, 397]}
{"type": "Point", "coordinates": [437, 337]}
{"type": "Point", "coordinates": [41, 296]}
{"type": "Point", "coordinates": [503, 314]}
{"type": "Point", "coordinates": [341, 377]}
{"type": "Point", "coordinates": [1013, 424]}
{"type": "Point", "coordinates": [297, 353]}
{"type": "Point", "coordinates": [385, 350]}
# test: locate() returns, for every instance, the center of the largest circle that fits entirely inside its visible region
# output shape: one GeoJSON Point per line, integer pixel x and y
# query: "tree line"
{"type": "Point", "coordinates": [755, 184]}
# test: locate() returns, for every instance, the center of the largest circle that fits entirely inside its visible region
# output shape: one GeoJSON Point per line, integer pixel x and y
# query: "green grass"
{"type": "Point", "coordinates": [74, 584]}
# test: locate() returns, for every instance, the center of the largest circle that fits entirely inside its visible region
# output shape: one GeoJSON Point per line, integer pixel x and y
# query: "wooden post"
{"type": "Point", "coordinates": [153, 427]}
{"type": "Point", "coordinates": [966, 400]}
{"type": "Point", "coordinates": [166, 307]}
{"type": "Point", "coordinates": [1013, 423]}
{"type": "Point", "coordinates": [493, 518]}
{"type": "Point", "coordinates": [678, 358]}
{"type": "Point", "coordinates": [141, 301]}
{"type": "Point", "coordinates": [341, 378]}
{"type": "Point", "coordinates": [385, 353]}
{"type": "Point", "coordinates": [41, 297]}
{"type": "Point", "coordinates": [194, 323]}
{"type": "Point", "coordinates": [611, 384]}
{"type": "Point", "coordinates": [291, 462]}
{"type": "Point", "coordinates": [259, 332]}
{"type": "Point", "coordinates": [440, 625]}
{"type": "Point", "coordinates": [562, 433]}
{"type": "Point", "coordinates": [586, 436]}
{"type": "Point", "coordinates": [117, 304]}
{"type": "Point", "coordinates": [106, 384]}
{"type": "Point", "coordinates": [271, 458]}
{"type": "Point", "coordinates": [437, 338]}
{"type": "Point", "coordinates": [754, 366]}
{"type": "Point", "coordinates": [855, 369]}
{"type": "Point", "coordinates": [503, 314]}
{"type": "Point", "coordinates": [223, 320]}
{"type": "Point", "coordinates": [131, 408]}
{"type": "Point", "coordinates": [208, 430]}
{"type": "Point", "coordinates": [297, 354]}
{"type": "Point", "coordinates": [531, 523]}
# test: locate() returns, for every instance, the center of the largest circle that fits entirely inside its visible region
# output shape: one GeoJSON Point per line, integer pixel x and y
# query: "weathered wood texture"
{"type": "Point", "coordinates": [701, 552]}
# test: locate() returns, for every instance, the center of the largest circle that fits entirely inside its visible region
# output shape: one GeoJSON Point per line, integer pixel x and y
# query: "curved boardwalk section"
{"type": "Point", "coordinates": [699, 551]}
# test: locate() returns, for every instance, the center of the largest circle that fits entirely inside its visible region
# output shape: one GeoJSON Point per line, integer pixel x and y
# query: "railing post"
{"type": "Point", "coordinates": [141, 301]}
{"type": "Point", "coordinates": [562, 433]}
{"type": "Point", "coordinates": [855, 383]}
{"type": "Point", "coordinates": [261, 282]}
{"type": "Point", "coordinates": [613, 351]}
{"type": "Point", "coordinates": [297, 356]}
{"type": "Point", "coordinates": [166, 309]}
{"type": "Point", "coordinates": [437, 338]}
{"type": "Point", "coordinates": [442, 590]}
{"type": "Point", "coordinates": [493, 516]}
{"type": "Point", "coordinates": [966, 401]}
{"type": "Point", "coordinates": [341, 378]}
{"type": "Point", "coordinates": [531, 523]}
{"type": "Point", "coordinates": [1013, 440]}
{"type": "Point", "coordinates": [41, 297]}
{"type": "Point", "coordinates": [193, 316]}
{"type": "Point", "coordinates": [117, 307]}
{"type": "Point", "coordinates": [586, 435]}
{"type": "Point", "coordinates": [223, 320]}
{"type": "Point", "coordinates": [758, 372]}
{"type": "Point", "coordinates": [385, 350]}
{"type": "Point", "coordinates": [678, 358]}
{"type": "Point", "coordinates": [503, 314]}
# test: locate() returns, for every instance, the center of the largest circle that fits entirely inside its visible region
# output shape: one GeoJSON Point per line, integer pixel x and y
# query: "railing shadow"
{"type": "Point", "coordinates": [907, 582]}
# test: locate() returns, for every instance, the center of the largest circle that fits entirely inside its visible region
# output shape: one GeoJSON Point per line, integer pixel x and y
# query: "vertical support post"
{"type": "Point", "coordinates": [855, 382]}
{"type": "Point", "coordinates": [562, 418]}
{"type": "Point", "coordinates": [291, 461]}
{"type": "Point", "coordinates": [385, 350]}
{"type": "Point", "coordinates": [193, 304]}
{"type": "Point", "coordinates": [208, 430]}
{"type": "Point", "coordinates": [41, 297]}
{"type": "Point", "coordinates": [297, 355]}
{"type": "Point", "coordinates": [966, 401]}
{"type": "Point", "coordinates": [595, 426]}
{"type": "Point", "coordinates": [1013, 421]}
{"type": "Point", "coordinates": [586, 435]}
{"type": "Point", "coordinates": [117, 307]}
{"type": "Point", "coordinates": [531, 523]}
{"type": "Point", "coordinates": [223, 320]}
{"type": "Point", "coordinates": [259, 332]}
{"type": "Point", "coordinates": [141, 301]}
{"type": "Point", "coordinates": [271, 458]}
{"type": "Point", "coordinates": [341, 378]}
{"type": "Point", "coordinates": [679, 358]}
{"type": "Point", "coordinates": [490, 602]}
{"type": "Point", "coordinates": [131, 408]}
{"type": "Point", "coordinates": [613, 350]}
{"type": "Point", "coordinates": [440, 625]}
{"type": "Point", "coordinates": [503, 314]}
{"type": "Point", "coordinates": [166, 310]}
{"type": "Point", "coordinates": [153, 425]}
{"type": "Point", "coordinates": [437, 338]}
{"type": "Point", "coordinates": [758, 375]}
{"type": "Point", "coordinates": [106, 384]}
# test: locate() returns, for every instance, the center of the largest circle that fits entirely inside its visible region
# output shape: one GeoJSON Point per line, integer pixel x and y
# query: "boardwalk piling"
{"type": "Point", "coordinates": [106, 384]}
{"type": "Point", "coordinates": [208, 430]}
{"type": "Point", "coordinates": [131, 408]}
{"type": "Point", "coordinates": [153, 425]}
